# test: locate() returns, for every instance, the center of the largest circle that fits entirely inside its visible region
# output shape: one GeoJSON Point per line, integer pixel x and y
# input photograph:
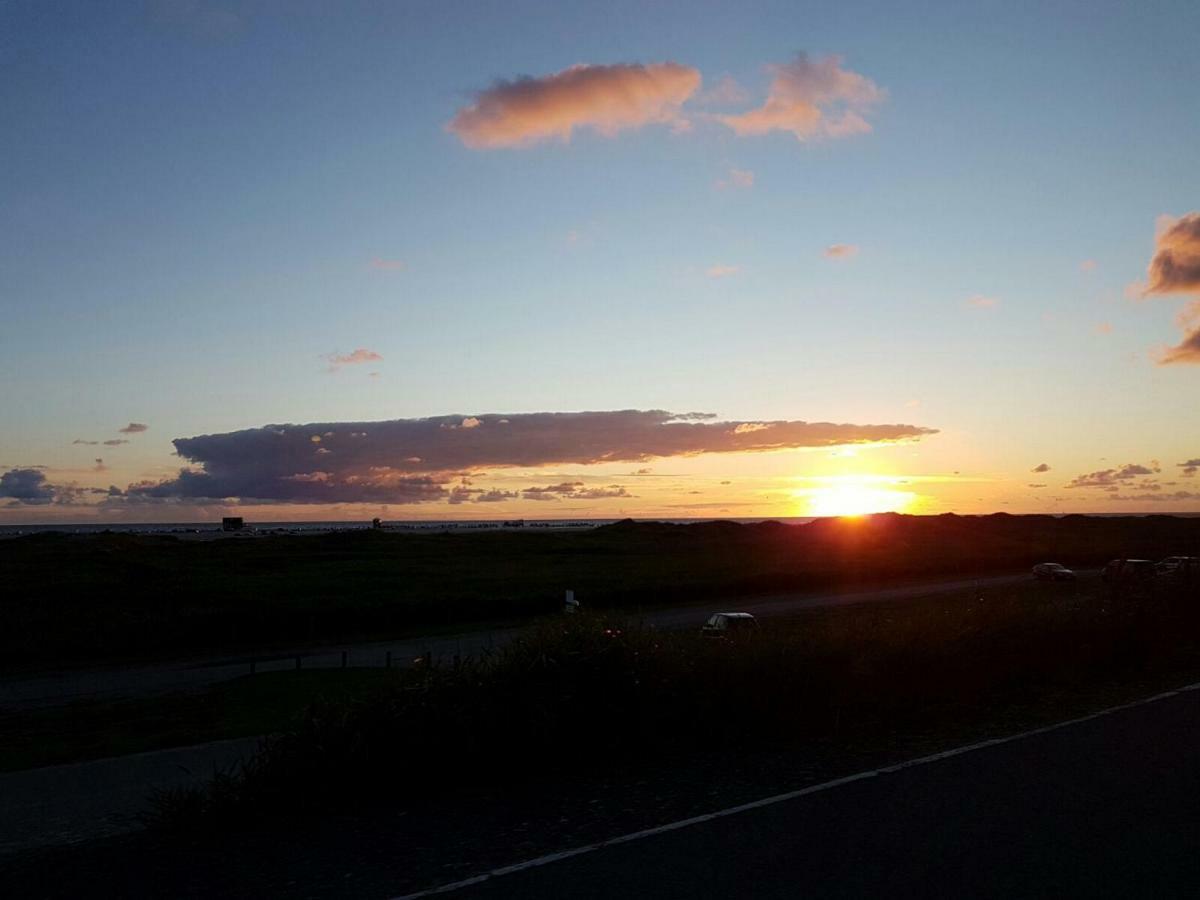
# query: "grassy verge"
{"type": "Point", "coordinates": [593, 693]}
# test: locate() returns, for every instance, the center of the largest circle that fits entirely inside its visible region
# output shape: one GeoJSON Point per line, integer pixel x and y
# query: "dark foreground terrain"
{"type": "Point", "coordinates": [69, 600]}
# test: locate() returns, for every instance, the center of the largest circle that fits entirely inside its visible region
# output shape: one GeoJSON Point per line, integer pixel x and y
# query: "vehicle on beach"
{"type": "Point", "coordinates": [1184, 569]}
{"type": "Point", "coordinates": [1052, 572]}
{"type": "Point", "coordinates": [725, 624]}
{"type": "Point", "coordinates": [1127, 571]}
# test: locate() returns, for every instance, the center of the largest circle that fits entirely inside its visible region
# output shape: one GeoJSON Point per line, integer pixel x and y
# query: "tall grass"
{"type": "Point", "coordinates": [590, 691]}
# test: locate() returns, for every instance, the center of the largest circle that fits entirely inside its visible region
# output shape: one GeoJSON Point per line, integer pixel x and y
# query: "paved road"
{"type": "Point", "coordinates": [1108, 807]}
{"type": "Point", "coordinates": [136, 681]}
{"type": "Point", "coordinates": [81, 801]}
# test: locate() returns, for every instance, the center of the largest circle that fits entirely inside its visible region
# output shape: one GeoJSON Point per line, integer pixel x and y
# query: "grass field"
{"type": "Point", "coordinates": [75, 599]}
{"type": "Point", "coordinates": [592, 692]}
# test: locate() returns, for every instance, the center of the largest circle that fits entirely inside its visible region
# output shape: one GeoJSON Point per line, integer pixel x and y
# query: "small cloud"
{"type": "Point", "coordinates": [357, 357]}
{"type": "Point", "coordinates": [979, 301]}
{"type": "Point", "coordinates": [470, 422]}
{"type": "Point", "coordinates": [737, 178]}
{"type": "Point", "coordinates": [100, 466]}
{"type": "Point", "coordinates": [1104, 328]}
{"type": "Point", "coordinates": [1088, 265]}
{"type": "Point", "coordinates": [134, 428]}
{"type": "Point", "coordinates": [1190, 468]}
{"type": "Point", "coordinates": [913, 404]}
{"type": "Point", "coordinates": [1035, 485]}
{"type": "Point", "coordinates": [606, 99]}
{"type": "Point", "coordinates": [840, 251]}
{"type": "Point", "coordinates": [495, 496]}
{"type": "Point", "coordinates": [85, 443]}
{"type": "Point", "coordinates": [1175, 266]}
{"type": "Point", "coordinates": [811, 99]}
{"type": "Point", "coordinates": [722, 271]}
{"type": "Point", "coordinates": [388, 265]}
{"type": "Point", "coordinates": [1041, 467]}
{"type": "Point", "coordinates": [115, 442]}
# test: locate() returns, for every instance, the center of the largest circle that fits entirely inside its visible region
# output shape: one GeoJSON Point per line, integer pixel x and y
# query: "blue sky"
{"type": "Point", "coordinates": [195, 193]}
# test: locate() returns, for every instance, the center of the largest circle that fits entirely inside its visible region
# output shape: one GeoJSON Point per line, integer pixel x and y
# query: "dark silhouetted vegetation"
{"type": "Point", "coordinates": [70, 599]}
{"type": "Point", "coordinates": [589, 692]}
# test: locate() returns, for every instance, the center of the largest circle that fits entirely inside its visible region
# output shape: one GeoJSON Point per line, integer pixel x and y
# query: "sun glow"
{"type": "Point", "coordinates": [854, 496]}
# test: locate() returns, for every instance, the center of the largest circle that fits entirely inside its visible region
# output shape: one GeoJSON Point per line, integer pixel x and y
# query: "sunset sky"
{"type": "Point", "coordinates": [316, 260]}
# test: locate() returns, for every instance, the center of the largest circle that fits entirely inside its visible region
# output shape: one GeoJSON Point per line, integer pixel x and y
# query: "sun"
{"type": "Point", "coordinates": [854, 497]}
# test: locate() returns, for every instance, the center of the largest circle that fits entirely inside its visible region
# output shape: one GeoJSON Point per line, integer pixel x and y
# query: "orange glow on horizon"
{"type": "Point", "coordinates": [854, 496]}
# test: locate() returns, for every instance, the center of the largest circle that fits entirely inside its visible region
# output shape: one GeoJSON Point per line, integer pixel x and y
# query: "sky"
{"type": "Point", "coordinates": [313, 260]}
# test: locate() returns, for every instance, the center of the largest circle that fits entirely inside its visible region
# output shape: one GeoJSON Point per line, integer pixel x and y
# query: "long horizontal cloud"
{"type": "Point", "coordinates": [811, 99]}
{"type": "Point", "coordinates": [607, 99]}
{"type": "Point", "coordinates": [413, 460]}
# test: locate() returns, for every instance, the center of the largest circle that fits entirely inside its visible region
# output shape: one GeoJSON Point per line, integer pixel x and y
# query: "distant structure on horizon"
{"type": "Point", "coordinates": [233, 523]}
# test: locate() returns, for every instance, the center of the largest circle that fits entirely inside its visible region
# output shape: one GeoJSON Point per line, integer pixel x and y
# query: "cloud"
{"type": "Point", "coordinates": [495, 496]}
{"type": "Point", "coordinates": [414, 460]}
{"type": "Point", "coordinates": [979, 301]}
{"type": "Point", "coordinates": [1190, 468]}
{"type": "Point", "coordinates": [115, 442]}
{"type": "Point", "coordinates": [388, 265]}
{"type": "Point", "coordinates": [1088, 265]}
{"type": "Point", "coordinates": [357, 357]}
{"type": "Point", "coordinates": [86, 443]}
{"type": "Point", "coordinates": [26, 486]}
{"type": "Point", "coordinates": [811, 99]}
{"type": "Point", "coordinates": [1175, 266]}
{"type": "Point", "coordinates": [737, 178]}
{"type": "Point", "coordinates": [1104, 328]}
{"type": "Point", "coordinates": [1041, 467]}
{"type": "Point", "coordinates": [1174, 496]}
{"type": "Point", "coordinates": [134, 428]}
{"type": "Point", "coordinates": [606, 99]}
{"type": "Point", "coordinates": [100, 466]}
{"type": "Point", "coordinates": [840, 251]}
{"type": "Point", "coordinates": [1106, 478]}
{"type": "Point", "coordinates": [1187, 350]}
{"type": "Point", "coordinates": [722, 271]}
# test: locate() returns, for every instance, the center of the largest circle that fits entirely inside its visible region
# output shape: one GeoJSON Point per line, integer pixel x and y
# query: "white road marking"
{"type": "Point", "coordinates": [782, 798]}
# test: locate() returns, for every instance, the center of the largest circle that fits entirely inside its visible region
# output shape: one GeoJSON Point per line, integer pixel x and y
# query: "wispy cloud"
{"type": "Point", "coordinates": [722, 271]}
{"type": "Point", "coordinates": [811, 99]}
{"type": "Point", "coordinates": [1175, 269]}
{"type": "Point", "coordinates": [840, 251]}
{"type": "Point", "coordinates": [357, 357]}
{"type": "Point", "coordinates": [388, 265]}
{"type": "Point", "coordinates": [606, 99]}
{"type": "Point", "coordinates": [1105, 478]}
{"type": "Point", "coordinates": [134, 428]}
{"type": "Point", "coordinates": [979, 301]}
{"type": "Point", "coordinates": [736, 179]}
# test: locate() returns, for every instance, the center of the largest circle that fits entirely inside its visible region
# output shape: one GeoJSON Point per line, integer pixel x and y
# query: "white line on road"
{"type": "Point", "coordinates": [782, 798]}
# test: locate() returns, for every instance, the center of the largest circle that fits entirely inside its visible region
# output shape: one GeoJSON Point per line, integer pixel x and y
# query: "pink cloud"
{"type": "Point", "coordinates": [811, 99]}
{"type": "Point", "coordinates": [388, 265]}
{"type": "Point", "coordinates": [606, 99]}
{"type": "Point", "coordinates": [722, 271]}
{"type": "Point", "coordinates": [840, 251]}
{"type": "Point", "coordinates": [361, 355]}
{"type": "Point", "coordinates": [1088, 265]}
{"type": "Point", "coordinates": [1187, 350]}
{"type": "Point", "coordinates": [1175, 266]}
{"type": "Point", "coordinates": [979, 301]}
{"type": "Point", "coordinates": [737, 178]}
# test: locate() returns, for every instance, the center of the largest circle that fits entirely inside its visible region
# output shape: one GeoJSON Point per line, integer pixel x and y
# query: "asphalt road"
{"type": "Point", "coordinates": [1107, 807]}
{"type": "Point", "coordinates": [57, 688]}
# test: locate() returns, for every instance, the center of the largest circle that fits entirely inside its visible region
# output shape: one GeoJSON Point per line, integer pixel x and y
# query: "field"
{"type": "Point", "coordinates": [71, 600]}
{"type": "Point", "coordinates": [592, 693]}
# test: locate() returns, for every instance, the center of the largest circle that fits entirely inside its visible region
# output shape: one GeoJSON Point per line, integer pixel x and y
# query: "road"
{"type": "Point", "coordinates": [56, 688]}
{"type": "Point", "coordinates": [1105, 807]}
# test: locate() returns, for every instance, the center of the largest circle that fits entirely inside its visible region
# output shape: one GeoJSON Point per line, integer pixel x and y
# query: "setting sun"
{"type": "Point", "coordinates": [854, 497]}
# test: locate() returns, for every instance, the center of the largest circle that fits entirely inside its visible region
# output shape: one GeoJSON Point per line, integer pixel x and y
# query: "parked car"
{"type": "Point", "coordinates": [1052, 572]}
{"type": "Point", "coordinates": [1126, 571]}
{"type": "Point", "coordinates": [726, 623]}
{"type": "Point", "coordinates": [1182, 569]}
